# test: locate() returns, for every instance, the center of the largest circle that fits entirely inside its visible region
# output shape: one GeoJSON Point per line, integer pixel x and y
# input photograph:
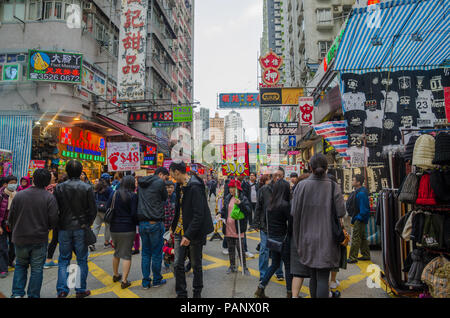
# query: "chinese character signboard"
{"type": "Point", "coordinates": [283, 129]}
{"type": "Point", "coordinates": [132, 50]}
{"type": "Point", "coordinates": [161, 116]}
{"type": "Point", "coordinates": [148, 152]}
{"type": "Point", "coordinates": [271, 63]}
{"type": "Point", "coordinates": [157, 124]}
{"type": "Point", "coordinates": [182, 114]}
{"type": "Point", "coordinates": [241, 100]}
{"type": "Point", "coordinates": [77, 143]}
{"type": "Point", "coordinates": [35, 164]}
{"type": "Point", "coordinates": [235, 160]}
{"type": "Point", "coordinates": [306, 105]}
{"type": "Point", "coordinates": [54, 66]}
{"type": "Point", "coordinates": [138, 117]}
{"type": "Point", "coordinates": [124, 156]}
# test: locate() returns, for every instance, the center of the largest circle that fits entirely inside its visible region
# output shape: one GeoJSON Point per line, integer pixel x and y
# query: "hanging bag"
{"type": "Point", "coordinates": [110, 212]}
{"type": "Point", "coordinates": [410, 188]}
{"type": "Point", "coordinates": [236, 213]}
{"type": "Point", "coordinates": [273, 244]}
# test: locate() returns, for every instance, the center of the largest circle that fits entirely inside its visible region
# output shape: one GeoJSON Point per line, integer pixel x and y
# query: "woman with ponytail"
{"type": "Point", "coordinates": [312, 225]}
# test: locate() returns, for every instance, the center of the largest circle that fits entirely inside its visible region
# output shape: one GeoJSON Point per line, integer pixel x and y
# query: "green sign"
{"type": "Point", "coordinates": [182, 114]}
{"type": "Point", "coordinates": [54, 66]}
{"type": "Point", "coordinates": [11, 72]}
{"type": "Point", "coordinates": [334, 48]}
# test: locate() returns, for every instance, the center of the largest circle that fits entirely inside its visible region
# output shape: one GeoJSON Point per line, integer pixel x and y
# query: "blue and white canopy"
{"type": "Point", "coordinates": [396, 35]}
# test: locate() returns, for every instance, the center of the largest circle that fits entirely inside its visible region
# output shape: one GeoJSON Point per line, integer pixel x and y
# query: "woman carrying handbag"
{"type": "Point", "coordinates": [279, 231]}
{"type": "Point", "coordinates": [122, 215]}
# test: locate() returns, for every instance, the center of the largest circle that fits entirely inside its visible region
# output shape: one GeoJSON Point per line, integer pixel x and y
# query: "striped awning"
{"type": "Point", "coordinates": [396, 35]}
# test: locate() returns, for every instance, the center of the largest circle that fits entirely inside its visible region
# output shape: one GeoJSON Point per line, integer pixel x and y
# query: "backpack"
{"type": "Point", "coordinates": [352, 204]}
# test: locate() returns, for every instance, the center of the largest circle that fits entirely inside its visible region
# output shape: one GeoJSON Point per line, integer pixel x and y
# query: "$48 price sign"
{"type": "Point", "coordinates": [124, 156]}
{"type": "Point", "coordinates": [235, 168]}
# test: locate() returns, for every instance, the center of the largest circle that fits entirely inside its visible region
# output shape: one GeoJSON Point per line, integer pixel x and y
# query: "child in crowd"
{"type": "Point", "coordinates": [168, 250]}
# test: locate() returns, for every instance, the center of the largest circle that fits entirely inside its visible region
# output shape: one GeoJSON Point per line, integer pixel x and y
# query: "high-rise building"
{"type": "Point", "coordinates": [234, 131]}
{"type": "Point", "coordinates": [310, 28]}
{"type": "Point", "coordinates": [204, 117]}
{"type": "Point", "coordinates": [217, 130]}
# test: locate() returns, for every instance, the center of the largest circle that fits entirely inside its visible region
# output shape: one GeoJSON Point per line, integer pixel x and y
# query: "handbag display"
{"type": "Point", "coordinates": [110, 212]}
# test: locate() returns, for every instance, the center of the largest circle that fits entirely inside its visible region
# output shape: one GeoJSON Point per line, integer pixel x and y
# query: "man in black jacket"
{"type": "Point", "coordinates": [33, 213]}
{"type": "Point", "coordinates": [77, 212]}
{"type": "Point", "coordinates": [191, 224]}
{"type": "Point", "coordinates": [152, 194]}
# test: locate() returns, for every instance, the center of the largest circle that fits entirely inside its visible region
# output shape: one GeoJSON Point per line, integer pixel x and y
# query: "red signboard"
{"type": "Point", "coordinates": [271, 63]}
{"type": "Point", "coordinates": [235, 160]}
{"type": "Point", "coordinates": [161, 115]}
{"type": "Point", "coordinates": [447, 102]}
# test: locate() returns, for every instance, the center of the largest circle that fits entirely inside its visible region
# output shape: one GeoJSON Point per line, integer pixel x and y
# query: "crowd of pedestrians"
{"type": "Point", "coordinates": [169, 214]}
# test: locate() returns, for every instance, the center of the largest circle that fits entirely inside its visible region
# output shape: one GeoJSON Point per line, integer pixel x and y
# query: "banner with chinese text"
{"type": "Point", "coordinates": [132, 50]}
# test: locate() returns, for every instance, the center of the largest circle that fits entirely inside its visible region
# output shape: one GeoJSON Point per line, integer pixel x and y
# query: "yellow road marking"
{"type": "Point", "coordinates": [110, 286]}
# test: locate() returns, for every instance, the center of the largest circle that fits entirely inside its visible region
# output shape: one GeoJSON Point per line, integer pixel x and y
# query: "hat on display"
{"type": "Point", "coordinates": [424, 152]}
{"type": "Point", "coordinates": [408, 155]}
{"type": "Point", "coordinates": [442, 149]}
{"type": "Point", "coordinates": [235, 184]}
{"type": "Point", "coordinates": [426, 194]}
{"type": "Point", "coordinates": [106, 176]}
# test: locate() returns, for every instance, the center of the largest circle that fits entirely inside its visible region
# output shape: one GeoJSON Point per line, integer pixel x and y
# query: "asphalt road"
{"type": "Point", "coordinates": [217, 284]}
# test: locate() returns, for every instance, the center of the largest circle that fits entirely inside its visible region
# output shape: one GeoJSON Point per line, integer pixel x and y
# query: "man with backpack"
{"type": "Point", "coordinates": [359, 210]}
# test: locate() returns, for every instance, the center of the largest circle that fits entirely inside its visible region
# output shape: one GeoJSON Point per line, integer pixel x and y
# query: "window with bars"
{"type": "Point", "coordinates": [324, 46]}
{"type": "Point", "coordinates": [324, 16]}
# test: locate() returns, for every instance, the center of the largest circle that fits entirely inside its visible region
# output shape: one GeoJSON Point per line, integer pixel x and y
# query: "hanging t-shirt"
{"type": "Point", "coordinates": [355, 121]}
{"type": "Point", "coordinates": [353, 101]}
{"type": "Point", "coordinates": [373, 136]}
{"type": "Point", "coordinates": [358, 156]}
{"type": "Point", "coordinates": [391, 133]}
{"type": "Point", "coordinates": [355, 140]}
{"type": "Point", "coordinates": [374, 118]}
{"type": "Point", "coordinates": [376, 155]}
{"type": "Point", "coordinates": [424, 101]}
{"type": "Point", "coordinates": [391, 102]}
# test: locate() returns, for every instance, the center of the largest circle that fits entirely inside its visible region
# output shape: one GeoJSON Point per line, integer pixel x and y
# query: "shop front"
{"type": "Point", "coordinates": [83, 145]}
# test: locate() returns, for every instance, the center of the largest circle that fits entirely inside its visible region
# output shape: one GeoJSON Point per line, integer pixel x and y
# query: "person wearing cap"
{"type": "Point", "coordinates": [234, 230]}
{"type": "Point", "coordinates": [191, 224]}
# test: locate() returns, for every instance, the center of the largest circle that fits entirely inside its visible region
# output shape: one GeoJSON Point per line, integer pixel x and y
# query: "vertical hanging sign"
{"type": "Point", "coordinates": [132, 50]}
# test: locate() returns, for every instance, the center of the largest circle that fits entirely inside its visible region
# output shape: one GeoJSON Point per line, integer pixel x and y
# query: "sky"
{"type": "Point", "coordinates": [226, 50]}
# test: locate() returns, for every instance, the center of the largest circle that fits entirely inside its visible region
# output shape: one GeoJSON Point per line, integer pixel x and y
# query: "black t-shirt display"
{"type": "Point", "coordinates": [355, 121]}
{"type": "Point", "coordinates": [391, 131]}
{"type": "Point", "coordinates": [376, 155]}
{"type": "Point", "coordinates": [373, 136]}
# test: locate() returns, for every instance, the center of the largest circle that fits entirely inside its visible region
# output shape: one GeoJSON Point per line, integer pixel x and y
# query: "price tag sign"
{"type": "Point", "coordinates": [124, 156]}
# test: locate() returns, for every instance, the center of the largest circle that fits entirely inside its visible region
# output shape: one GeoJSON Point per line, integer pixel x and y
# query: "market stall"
{"type": "Point", "coordinates": [393, 72]}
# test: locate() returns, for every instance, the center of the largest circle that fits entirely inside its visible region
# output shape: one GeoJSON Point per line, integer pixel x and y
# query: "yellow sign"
{"type": "Point", "coordinates": [290, 95]}
{"type": "Point", "coordinates": [160, 159]}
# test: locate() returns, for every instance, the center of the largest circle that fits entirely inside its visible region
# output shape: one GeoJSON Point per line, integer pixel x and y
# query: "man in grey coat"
{"type": "Point", "coordinates": [312, 223]}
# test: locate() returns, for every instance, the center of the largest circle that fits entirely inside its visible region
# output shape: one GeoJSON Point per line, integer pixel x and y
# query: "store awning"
{"type": "Point", "coordinates": [401, 34]}
{"type": "Point", "coordinates": [124, 129]}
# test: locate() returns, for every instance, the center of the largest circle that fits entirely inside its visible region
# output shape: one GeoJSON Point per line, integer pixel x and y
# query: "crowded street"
{"type": "Point", "coordinates": [232, 152]}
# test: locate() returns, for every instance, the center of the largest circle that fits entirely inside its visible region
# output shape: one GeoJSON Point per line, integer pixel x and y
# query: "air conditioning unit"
{"type": "Point", "coordinates": [337, 10]}
{"type": "Point", "coordinates": [89, 7]}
